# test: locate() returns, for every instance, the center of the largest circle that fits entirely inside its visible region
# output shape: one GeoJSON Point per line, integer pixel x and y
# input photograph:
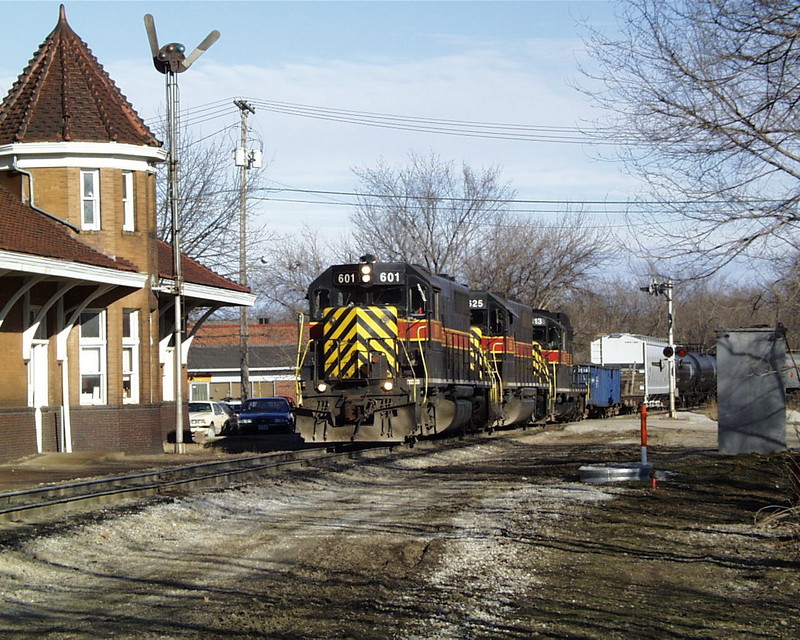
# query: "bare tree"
{"type": "Point", "coordinates": [208, 205]}
{"type": "Point", "coordinates": [536, 262]}
{"type": "Point", "coordinates": [288, 266]}
{"type": "Point", "coordinates": [428, 211]}
{"type": "Point", "coordinates": [704, 97]}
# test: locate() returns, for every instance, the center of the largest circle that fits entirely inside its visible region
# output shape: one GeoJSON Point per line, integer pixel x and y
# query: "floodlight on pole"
{"type": "Point", "coordinates": [170, 60]}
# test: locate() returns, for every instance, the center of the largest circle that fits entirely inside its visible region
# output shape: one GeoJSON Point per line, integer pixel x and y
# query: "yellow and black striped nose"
{"type": "Point", "coordinates": [360, 342]}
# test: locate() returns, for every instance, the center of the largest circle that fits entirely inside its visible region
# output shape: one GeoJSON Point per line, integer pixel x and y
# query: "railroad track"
{"type": "Point", "coordinates": [40, 504]}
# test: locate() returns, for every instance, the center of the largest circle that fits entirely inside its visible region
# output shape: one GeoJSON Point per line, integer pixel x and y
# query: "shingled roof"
{"type": "Point", "coordinates": [65, 95]}
{"type": "Point", "coordinates": [192, 271]}
{"type": "Point", "coordinates": [25, 230]}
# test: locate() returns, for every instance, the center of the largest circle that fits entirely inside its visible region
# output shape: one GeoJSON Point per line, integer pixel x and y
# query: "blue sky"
{"type": "Point", "coordinates": [499, 62]}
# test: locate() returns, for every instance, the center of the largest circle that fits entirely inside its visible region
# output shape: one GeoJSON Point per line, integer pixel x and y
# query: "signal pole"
{"type": "Point", "coordinates": [665, 289]}
{"type": "Point", "coordinates": [170, 60]}
{"type": "Point", "coordinates": [243, 160]}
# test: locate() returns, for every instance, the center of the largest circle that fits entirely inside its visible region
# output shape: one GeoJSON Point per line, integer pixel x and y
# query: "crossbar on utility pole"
{"type": "Point", "coordinates": [243, 161]}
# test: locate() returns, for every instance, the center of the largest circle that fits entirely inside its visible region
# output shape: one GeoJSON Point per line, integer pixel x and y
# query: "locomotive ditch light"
{"type": "Point", "coordinates": [388, 385]}
{"type": "Point", "coordinates": [322, 387]}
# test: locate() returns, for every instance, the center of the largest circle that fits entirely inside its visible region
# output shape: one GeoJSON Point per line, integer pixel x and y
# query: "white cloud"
{"type": "Point", "coordinates": [486, 83]}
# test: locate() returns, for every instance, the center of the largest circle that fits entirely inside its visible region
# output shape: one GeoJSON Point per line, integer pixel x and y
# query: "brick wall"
{"type": "Point", "coordinates": [286, 388]}
{"type": "Point", "coordinates": [134, 429]}
{"type": "Point", "coordinates": [17, 433]}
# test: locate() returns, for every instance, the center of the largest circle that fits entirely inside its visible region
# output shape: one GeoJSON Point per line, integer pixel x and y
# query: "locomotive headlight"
{"type": "Point", "coordinates": [322, 387]}
{"type": "Point", "coordinates": [388, 385]}
{"type": "Point", "coordinates": [366, 272]}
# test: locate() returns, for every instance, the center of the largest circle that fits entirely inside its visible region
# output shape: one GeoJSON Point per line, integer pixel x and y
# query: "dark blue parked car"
{"type": "Point", "coordinates": [266, 415]}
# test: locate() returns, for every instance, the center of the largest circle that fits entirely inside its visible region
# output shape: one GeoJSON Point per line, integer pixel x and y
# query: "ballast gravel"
{"type": "Point", "coordinates": [495, 538]}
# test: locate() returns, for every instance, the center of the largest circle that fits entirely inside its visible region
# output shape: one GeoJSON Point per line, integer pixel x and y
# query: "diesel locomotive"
{"type": "Point", "coordinates": [397, 352]}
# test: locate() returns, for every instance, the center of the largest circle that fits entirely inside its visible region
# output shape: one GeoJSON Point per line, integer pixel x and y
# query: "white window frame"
{"type": "Point", "coordinates": [200, 391]}
{"type": "Point", "coordinates": [93, 360]}
{"type": "Point", "coordinates": [90, 200]}
{"type": "Point", "coordinates": [130, 356]}
{"type": "Point", "coordinates": [128, 215]}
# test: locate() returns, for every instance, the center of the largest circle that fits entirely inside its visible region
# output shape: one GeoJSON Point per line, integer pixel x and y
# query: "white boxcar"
{"type": "Point", "coordinates": [642, 357]}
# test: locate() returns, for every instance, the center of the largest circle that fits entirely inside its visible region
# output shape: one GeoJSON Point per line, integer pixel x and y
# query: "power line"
{"type": "Point", "coordinates": [463, 128]}
{"type": "Point", "coordinates": [517, 200]}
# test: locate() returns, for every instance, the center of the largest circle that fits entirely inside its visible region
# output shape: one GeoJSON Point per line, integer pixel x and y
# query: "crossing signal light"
{"type": "Point", "coordinates": [681, 351]}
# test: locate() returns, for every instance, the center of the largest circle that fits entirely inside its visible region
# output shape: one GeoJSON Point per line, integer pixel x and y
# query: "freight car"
{"type": "Point", "coordinates": [644, 370]}
{"type": "Point", "coordinates": [695, 376]}
{"type": "Point", "coordinates": [604, 390]}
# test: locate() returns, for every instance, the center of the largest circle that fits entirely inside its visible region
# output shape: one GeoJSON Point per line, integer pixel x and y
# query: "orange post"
{"type": "Point", "coordinates": [643, 422]}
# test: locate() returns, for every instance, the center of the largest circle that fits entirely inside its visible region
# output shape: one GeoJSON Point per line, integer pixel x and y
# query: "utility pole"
{"type": "Point", "coordinates": [170, 60]}
{"type": "Point", "coordinates": [666, 289]}
{"type": "Point", "coordinates": [244, 160]}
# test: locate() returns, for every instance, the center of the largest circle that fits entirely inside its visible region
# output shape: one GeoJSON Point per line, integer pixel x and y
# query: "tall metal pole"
{"type": "Point", "coordinates": [170, 60]}
{"type": "Point", "coordinates": [671, 338]}
{"type": "Point", "coordinates": [244, 165]}
{"type": "Point", "coordinates": [666, 289]}
{"type": "Point", "coordinates": [172, 172]}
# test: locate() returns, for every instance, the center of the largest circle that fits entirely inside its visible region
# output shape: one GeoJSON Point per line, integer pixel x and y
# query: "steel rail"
{"type": "Point", "coordinates": [31, 505]}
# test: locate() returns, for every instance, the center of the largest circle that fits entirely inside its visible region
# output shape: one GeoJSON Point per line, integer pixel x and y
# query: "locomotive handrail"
{"type": "Point", "coordinates": [408, 359]}
{"type": "Point", "coordinates": [424, 395]}
{"type": "Point", "coordinates": [298, 390]}
{"type": "Point", "coordinates": [495, 372]}
{"type": "Point", "coordinates": [298, 371]}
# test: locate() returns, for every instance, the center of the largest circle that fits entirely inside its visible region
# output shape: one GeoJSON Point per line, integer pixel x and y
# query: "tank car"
{"type": "Point", "coordinates": [567, 395]}
{"type": "Point", "coordinates": [695, 376]}
{"type": "Point", "coordinates": [390, 355]}
{"type": "Point", "coordinates": [503, 331]}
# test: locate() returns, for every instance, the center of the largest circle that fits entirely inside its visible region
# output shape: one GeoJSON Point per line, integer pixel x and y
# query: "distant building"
{"type": "Point", "coordinates": [86, 314]}
{"type": "Point", "coordinates": [215, 361]}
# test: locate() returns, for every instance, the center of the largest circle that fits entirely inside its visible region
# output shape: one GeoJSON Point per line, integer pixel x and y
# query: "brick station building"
{"type": "Point", "coordinates": [215, 360]}
{"type": "Point", "coordinates": [86, 302]}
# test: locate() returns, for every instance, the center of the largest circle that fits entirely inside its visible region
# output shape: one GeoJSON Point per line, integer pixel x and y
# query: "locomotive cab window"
{"type": "Point", "coordinates": [497, 320]}
{"type": "Point", "coordinates": [320, 300]}
{"type": "Point", "coordinates": [323, 298]}
{"type": "Point", "coordinates": [419, 298]}
{"type": "Point", "coordinates": [477, 318]}
{"type": "Point", "coordinates": [388, 296]}
{"type": "Point", "coordinates": [541, 335]}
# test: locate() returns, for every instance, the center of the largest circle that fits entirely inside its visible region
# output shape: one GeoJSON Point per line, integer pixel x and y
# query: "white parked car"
{"type": "Point", "coordinates": [208, 416]}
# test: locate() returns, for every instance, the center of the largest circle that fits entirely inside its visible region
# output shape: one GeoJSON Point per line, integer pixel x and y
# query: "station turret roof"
{"type": "Point", "coordinates": [65, 95]}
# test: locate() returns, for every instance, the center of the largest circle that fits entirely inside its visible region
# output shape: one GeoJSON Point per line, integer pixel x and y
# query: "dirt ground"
{"type": "Point", "coordinates": [490, 539]}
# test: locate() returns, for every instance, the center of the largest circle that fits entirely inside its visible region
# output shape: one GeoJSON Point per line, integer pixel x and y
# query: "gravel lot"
{"type": "Point", "coordinates": [495, 538]}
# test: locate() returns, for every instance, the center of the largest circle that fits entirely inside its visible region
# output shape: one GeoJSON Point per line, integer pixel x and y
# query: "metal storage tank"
{"type": "Point", "coordinates": [751, 390]}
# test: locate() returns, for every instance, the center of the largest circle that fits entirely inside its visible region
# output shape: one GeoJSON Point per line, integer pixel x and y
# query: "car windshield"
{"type": "Point", "coordinates": [266, 404]}
{"type": "Point", "coordinates": [196, 407]}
